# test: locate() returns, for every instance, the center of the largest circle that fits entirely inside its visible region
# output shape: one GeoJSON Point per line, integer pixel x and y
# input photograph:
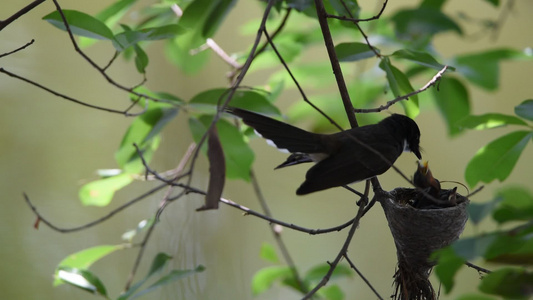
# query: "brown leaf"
{"type": "Point", "coordinates": [217, 170]}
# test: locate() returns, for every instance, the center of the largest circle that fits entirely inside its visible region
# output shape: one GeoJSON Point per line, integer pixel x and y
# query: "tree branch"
{"type": "Point", "coordinates": [20, 13]}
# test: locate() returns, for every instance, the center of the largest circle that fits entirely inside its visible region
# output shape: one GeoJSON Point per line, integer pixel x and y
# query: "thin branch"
{"type": "Point", "coordinates": [18, 49]}
{"type": "Point", "coordinates": [341, 253]}
{"type": "Point", "coordinates": [275, 33]}
{"type": "Point", "coordinates": [122, 112]}
{"type": "Point", "coordinates": [351, 19]}
{"type": "Point", "coordinates": [277, 234]}
{"type": "Point", "coordinates": [478, 268]}
{"type": "Point", "coordinates": [429, 84]}
{"type": "Point", "coordinates": [300, 89]}
{"type": "Point", "coordinates": [352, 265]}
{"type": "Point", "coordinates": [20, 13]}
{"type": "Point", "coordinates": [330, 47]}
{"type": "Point", "coordinates": [95, 222]}
{"type": "Point", "coordinates": [222, 54]}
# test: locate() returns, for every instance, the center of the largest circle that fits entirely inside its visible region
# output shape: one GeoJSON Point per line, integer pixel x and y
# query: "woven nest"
{"type": "Point", "coordinates": [417, 233]}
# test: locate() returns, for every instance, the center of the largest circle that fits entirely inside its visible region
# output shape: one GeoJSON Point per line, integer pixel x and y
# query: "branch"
{"type": "Point", "coordinates": [18, 49]}
{"type": "Point", "coordinates": [479, 269]}
{"type": "Point", "coordinates": [430, 83]}
{"type": "Point", "coordinates": [345, 96]}
{"type": "Point", "coordinates": [122, 112]}
{"type": "Point", "coordinates": [362, 277]}
{"type": "Point", "coordinates": [20, 13]}
{"type": "Point", "coordinates": [351, 19]}
{"type": "Point", "coordinates": [95, 222]}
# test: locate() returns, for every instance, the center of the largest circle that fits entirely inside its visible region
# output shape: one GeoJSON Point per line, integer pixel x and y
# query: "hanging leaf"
{"type": "Point", "coordinates": [488, 121]}
{"type": "Point", "coordinates": [448, 265]}
{"type": "Point", "coordinates": [265, 278]}
{"type": "Point", "coordinates": [100, 192]}
{"type": "Point", "coordinates": [400, 85]}
{"type": "Point", "coordinates": [497, 159]}
{"type": "Point", "coordinates": [82, 279]}
{"type": "Point", "coordinates": [208, 101]}
{"type": "Point", "coordinates": [217, 170]}
{"type": "Point", "coordinates": [453, 102]}
{"type": "Point", "coordinates": [80, 24]}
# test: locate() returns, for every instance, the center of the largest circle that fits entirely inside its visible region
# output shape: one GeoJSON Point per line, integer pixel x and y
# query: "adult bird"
{"type": "Point", "coordinates": [341, 158]}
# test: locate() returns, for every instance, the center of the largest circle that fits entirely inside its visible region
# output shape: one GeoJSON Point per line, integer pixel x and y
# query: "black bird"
{"type": "Point", "coordinates": [341, 158]}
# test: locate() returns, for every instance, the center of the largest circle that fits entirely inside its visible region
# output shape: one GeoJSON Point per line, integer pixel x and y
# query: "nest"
{"type": "Point", "coordinates": [417, 233]}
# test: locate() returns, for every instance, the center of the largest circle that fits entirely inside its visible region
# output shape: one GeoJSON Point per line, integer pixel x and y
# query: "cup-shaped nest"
{"type": "Point", "coordinates": [417, 233]}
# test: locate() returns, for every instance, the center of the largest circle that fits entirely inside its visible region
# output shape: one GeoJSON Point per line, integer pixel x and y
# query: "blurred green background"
{"type": "Point", "coordinates": [51, 147]}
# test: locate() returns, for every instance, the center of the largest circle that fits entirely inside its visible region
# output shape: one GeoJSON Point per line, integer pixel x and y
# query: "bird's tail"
{"type": "Point", "coordinates": [282, 135]}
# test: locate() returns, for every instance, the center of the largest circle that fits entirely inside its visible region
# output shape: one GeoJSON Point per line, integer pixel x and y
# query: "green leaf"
{"type": "Point", "coordinates": [525, 109]}
{"type": "Point", "coordinates": [82, 279]}
{"type": "Point", "coordinates": [509, 283]}
{"type": "Point", "coordinates": [238, 155]}
{"type": "Point", "coordinates": [473, 247]}
{"type": "Point", "coordinates": [503, 244]}
{"type": "Point", "coordinates": [331, 292]}
{"type": "Point", "coordinates": [482, 68]}
{"type": "Point", "coordinates": [497, 159]}
{"type": "Point", "coordinates": [80, 24]}
{"type": "Point", "coordinates": [265, 278]}
{"type": "Point", "coordinates": [448, 265]}
{"type": "Point", "coordinates": [85, 258]}
{"type": "Point", "coordinates": [400, 85]}
{"type": "Point", "coordinates": [143, 132]}
{"type": "Point", "coordinates": [517, 205]}
{"type": "Point", "coordinates": [169, 278]}
{"type": "Point", "coordinates": [110, 16]}
{"type": "Point", "coordinates": [478, 211]}
{"type": "Point", "coordinates": [425, 21]}
{"type": "Point", "coordinates": [318, 272]}
{"type": "Point", "coordinates": [353, 51]}
{"type": "Point", "coordinates": [474, 297]}
{"type": "Point", "coordinates": [130, 38]}
{"type": "Point", "coordinates": [218, 12]}
{"type": "Point", "coordinates": [268, 253]}
{"type": "Point", "coordinates": [100, 192]}
{"type": "Point", "coordinates": [141, 59]}
{"type": "Point", "coordinates": [208, 101]}
{"type": "Point", "coordinates": [421, 58]}
{"type": "Point", "coordinates": [340, 7]}
{"type": "Point", "coordinates": [494, 2]}
{"type": "Point", "coordinates": [453, 102]}
{"type": "Point", "coordinates": [488, 121]}
{"type": "Point", "coordinates": [159, 261]}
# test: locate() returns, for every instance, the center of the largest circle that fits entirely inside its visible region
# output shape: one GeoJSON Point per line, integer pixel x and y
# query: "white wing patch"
{"type": "Point", "coordinates": [271, 143]}
{"type": "Point", "coordinates": [406, 146]}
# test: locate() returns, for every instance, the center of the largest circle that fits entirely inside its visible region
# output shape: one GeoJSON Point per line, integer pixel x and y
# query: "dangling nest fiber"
{"type": "Point", "coordinates": [417, 233]}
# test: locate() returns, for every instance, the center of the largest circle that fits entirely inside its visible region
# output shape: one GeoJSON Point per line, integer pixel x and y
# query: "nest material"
{"type": "Point", "coordinates": [417, 233]}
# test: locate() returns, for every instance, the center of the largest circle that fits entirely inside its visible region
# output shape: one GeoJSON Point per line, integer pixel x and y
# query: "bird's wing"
{"type": "Point", "coordinates": [352, 163]}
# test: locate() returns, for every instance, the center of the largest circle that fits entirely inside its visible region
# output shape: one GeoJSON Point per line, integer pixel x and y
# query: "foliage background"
{"type": "Point", "coordinates": [51, 147]}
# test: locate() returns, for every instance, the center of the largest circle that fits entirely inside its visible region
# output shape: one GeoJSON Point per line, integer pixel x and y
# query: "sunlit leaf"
{"type": "Point", "coordinates": [207, 101]}
{"type": "Point", "coordinates": [80, 24]}
{"type": "Point", "coordinates": [448, 265]}
{"type": "Point", "coordinates": [497, 159]}
{"type": "Point", "coordinates": [100, 192]}
{"type": "Point", "coordinates": [488, 121]}
{"type": "Point", "coordinates": [453, 102]}
{"type": "Point", "coordinates": [265, 278]}
{"type": "Point", "coordinates": [331, 292]}
{"type": "Point", "coordinates": [400, 86]}
{"type": "Point", "coordinates": [82, 279]}
{"type": "Point", "coordinates": [525, 109]}
{"type": "Point", "coordinates": [353, 51]}
{"type": "Point", "coordinates": [268, 253]}
{"type": "Point", "coordinates": [85, 258]}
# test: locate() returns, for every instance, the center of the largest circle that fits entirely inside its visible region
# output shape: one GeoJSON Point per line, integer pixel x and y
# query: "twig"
{"type": "Point", "coordinates": [20, 13]}
{"type": "Point", "coordinates": [351, 19]}
{"type": "Point", "coordinates": [330, 47]}
{"type": "Point", "coordinates": [277, 234]}
{"type": "Point", "coordinates": [343, 250]}
{"type": "Point", "coordinates": [429, 84]}
{"type": "Point", "coordinates": [18, 49]}
{"type": "Point", "coordinates": [95, 222]}
{"type": "Point", "coordinates": [352, 265]}
{"type": "Point", "coordinates": [122, 112]}
{"type": "Point", "coordinates": [222, 54]}
{"type": "Point", "coordinates": [478, 268]}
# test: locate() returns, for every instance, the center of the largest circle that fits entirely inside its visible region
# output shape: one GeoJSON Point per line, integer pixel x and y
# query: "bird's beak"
{"type": "Point", "coordinates": [417, 153]}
